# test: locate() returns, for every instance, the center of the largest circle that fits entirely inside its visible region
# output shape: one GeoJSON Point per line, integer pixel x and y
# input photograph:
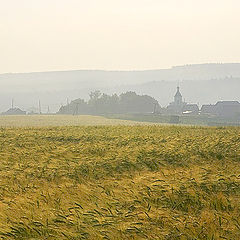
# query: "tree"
{"type": "Point", "coordinates": [131, 102]}
{"type": "Point", "coordinates": [76, 107]}
{"type": "Point", "coordinates": [99, 103]}
{"type": "Point", "coordinates": [94, 96]}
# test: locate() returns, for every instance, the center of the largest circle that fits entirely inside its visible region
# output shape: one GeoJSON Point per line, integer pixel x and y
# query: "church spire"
{"type": "Point", "coordinates": [178, 97]}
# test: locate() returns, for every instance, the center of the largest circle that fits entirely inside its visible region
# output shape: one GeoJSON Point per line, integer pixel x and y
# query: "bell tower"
{"type": "Point", "coordinates": [178, 97]}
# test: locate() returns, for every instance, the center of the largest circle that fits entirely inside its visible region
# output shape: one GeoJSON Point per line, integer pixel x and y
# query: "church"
{"type": "Point", "coordinates": [178, 106]}
{"type": "Point", "coordinates": [222, 109]}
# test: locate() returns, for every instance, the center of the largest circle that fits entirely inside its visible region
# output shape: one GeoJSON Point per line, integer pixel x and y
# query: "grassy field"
{"type": "Point", "coordinates": [119, 182]}
{"type": "Point", "coordinates": [60, 120]}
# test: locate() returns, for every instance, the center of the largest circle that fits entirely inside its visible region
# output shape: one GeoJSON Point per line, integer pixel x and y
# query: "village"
{"type": "Point", "coordinates": [222, 109]}
{"type": "Point", "coordinates": [142, 104]}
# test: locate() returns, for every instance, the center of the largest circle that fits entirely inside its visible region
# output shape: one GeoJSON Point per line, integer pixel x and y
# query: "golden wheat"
{"type": "Point", "coordinates": [120, 182]}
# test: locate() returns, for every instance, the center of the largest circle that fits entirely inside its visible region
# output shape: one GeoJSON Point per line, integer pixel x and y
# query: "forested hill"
{"type": "Point", "coordinates": [62, 79]}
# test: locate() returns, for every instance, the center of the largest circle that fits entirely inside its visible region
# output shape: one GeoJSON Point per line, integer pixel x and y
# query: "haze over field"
{"type": "Point", "coordinates": [205, 83]}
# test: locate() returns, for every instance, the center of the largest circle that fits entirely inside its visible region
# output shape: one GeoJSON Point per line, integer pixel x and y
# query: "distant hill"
{"type": "Point", "coordinates": [177, 73]}
{"type": "Point", "coordinates": [203, 83]}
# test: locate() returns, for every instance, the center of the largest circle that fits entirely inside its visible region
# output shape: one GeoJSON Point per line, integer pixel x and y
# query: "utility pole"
{"type": "Point", "coordinates": [12, 104]}
{"type": "Point", "coordinates": [39, 107]}
{"type": "Point", "coordinates": [67, 106]}
{"type": "Point", "coordinates": [48, 110]}
{"type": "Point", "coordinates": [76, 109]}
{"type": "Point", "coordinates": [155, 107]}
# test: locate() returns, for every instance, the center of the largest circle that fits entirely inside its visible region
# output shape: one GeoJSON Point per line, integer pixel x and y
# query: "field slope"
{"type": "Point", "coordinates": [60, 120]}
{"type": "Point", "coordinates": [119, 182]}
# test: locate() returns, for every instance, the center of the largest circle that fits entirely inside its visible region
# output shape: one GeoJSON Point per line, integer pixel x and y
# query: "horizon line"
{"type": "Point", "coordinates": [133, 70]}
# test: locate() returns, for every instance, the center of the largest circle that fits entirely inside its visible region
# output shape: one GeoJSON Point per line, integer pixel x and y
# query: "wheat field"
{"type": "Point", "coordinates": [119, 182]}
{"type": "Point", "coordinates": [61, 120]}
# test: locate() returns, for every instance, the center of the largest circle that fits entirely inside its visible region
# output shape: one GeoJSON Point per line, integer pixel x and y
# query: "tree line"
{"type": "Point", "coordinates": [101, 103]}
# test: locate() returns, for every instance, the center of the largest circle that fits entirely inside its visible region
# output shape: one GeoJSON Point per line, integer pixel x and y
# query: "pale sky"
{"type": "Point", "coordinates": [45, 35]}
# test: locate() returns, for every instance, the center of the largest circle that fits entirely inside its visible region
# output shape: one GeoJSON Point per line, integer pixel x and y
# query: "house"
{"type": "Point", "coordinates": [222, 109]}
{"type": "Point", "coordinates": [14, 111]}
{"type": "Point", "coordinates": [191, 109]}
{"type": "Point", "coordinates": [208, 109]}
{"type": "Point", "coordinates": [227, 109]}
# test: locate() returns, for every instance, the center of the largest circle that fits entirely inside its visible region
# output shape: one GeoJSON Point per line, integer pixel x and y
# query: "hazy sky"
{"type": "Point", "coordinates": [39, 35]}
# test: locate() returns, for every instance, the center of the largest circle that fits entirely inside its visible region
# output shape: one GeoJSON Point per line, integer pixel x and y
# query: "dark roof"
{"type": "Point", "coordinates": [227, 103]}
{"type": "Point", "coordinates": [191, 107]}
{"type": "Point", "coordinates": [14, 111]}
{"type": "Point", "coordinates": [207, 108]}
